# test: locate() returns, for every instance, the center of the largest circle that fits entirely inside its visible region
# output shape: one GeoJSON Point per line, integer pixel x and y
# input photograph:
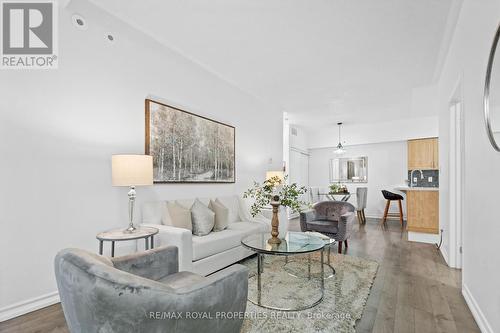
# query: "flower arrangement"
{"type": "Point", "coordinates": [274, 189]}
{"type": "Point", "coordinates": [338, 188]}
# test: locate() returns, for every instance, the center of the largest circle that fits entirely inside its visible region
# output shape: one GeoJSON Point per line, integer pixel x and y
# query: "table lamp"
{"type": "Point", "coordinates": [131, 171]}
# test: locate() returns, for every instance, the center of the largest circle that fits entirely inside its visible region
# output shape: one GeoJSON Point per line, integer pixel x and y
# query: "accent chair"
{"type": "Point", "coordinates": [145, 292]}
{"type": "Point", "coordinates": [331, 218]}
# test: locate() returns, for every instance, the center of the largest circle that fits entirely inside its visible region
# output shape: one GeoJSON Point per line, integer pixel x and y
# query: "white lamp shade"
{"type": "Point", "coordinates": [132, 170]}
{"type": "Point", "coordinates": [279, 174]}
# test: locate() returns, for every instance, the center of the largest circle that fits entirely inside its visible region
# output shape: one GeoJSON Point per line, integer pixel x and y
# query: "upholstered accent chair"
{"type": "Point", "coordinates": [332, 218]}
{"type": "Point", "coordinates": [144, 292]}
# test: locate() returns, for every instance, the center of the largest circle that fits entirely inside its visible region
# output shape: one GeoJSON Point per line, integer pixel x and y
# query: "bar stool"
{"type": "Point", "coordinates": [389, 196]}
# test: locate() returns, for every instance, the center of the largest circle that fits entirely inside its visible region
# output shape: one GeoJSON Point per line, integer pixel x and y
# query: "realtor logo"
{"type": "Point", "coordinates": [29, 34]}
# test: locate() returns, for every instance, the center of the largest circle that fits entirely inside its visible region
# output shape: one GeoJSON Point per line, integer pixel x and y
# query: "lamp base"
{"type": "Point", "coordinates": [131, 229]}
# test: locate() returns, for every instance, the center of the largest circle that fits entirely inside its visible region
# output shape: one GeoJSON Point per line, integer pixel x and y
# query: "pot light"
{"type": "Point", "coordinates": [79, 22]}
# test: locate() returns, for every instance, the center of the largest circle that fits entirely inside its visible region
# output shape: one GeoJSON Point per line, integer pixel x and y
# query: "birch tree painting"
{"type": "Point", "coordinates": [188, 148]}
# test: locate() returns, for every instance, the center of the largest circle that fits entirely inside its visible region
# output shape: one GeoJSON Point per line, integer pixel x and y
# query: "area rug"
{"type": "Point", "coordinates": [287, 284]}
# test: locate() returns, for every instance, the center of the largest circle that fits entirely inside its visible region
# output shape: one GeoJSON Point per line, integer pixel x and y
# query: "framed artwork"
{"type": "Point", "coordinates": [188, 148]}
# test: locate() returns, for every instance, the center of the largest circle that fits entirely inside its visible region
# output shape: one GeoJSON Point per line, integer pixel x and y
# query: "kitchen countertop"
{"type": "Point", "coordinates": [416, 188]}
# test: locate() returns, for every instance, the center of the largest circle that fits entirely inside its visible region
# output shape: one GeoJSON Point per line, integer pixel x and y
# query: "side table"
{"type": "Point", "coordinates": [118, 235]}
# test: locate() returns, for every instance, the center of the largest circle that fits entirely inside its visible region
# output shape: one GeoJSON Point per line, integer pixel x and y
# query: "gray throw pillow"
{"type": "Point", "coordinates": [203, 218]}
{"type": "Point", "coordinates": [180, 217]}
{"type": "Point", "coordinates": [221, 215]}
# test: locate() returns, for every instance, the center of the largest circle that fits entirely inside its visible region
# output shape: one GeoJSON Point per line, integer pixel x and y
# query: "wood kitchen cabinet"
{"type": "Point", "coordinates": [423, 211]}
{"type": "Point", "coordinates": [423, 154]}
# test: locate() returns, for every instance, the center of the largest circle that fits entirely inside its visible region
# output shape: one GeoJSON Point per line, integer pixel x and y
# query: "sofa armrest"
{"type": "Point", "coordinates": [179, 237]}
{"type": "Point", "coordinates": [345, 226]}
{"type": "Point", "coordinates": [305, 217]}
{"type": "Point", "coordinates": [152, 264]}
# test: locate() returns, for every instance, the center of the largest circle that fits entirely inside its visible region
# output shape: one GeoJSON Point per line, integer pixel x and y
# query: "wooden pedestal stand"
{"type": "Point", "coordinates": [275, 202]}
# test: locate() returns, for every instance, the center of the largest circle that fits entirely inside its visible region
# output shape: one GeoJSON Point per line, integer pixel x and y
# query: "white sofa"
{"type": "Point", "coordinates": [207, 254]}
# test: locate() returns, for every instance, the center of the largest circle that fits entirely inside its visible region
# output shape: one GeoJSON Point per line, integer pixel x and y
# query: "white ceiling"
{"type": "Point", "coordinates": [322, 61]}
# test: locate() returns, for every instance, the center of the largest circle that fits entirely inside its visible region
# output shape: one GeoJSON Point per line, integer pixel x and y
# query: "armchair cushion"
{"type": "Point", "coordinates": [153, 264]}
{"type": "Point", "coordinates": [324, 226]}
{"type": "Point", "coordinates": [181, 280]}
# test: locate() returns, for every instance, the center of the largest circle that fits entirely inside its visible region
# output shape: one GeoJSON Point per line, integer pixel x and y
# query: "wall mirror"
{"type": "Point", "coordinates": [492, 94]}
{"type": "Point", "coordinates": [349, 170]}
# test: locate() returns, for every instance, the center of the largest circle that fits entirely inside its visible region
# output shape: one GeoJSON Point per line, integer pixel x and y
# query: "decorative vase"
{"type": "Point", "coordinates": [275, 203]}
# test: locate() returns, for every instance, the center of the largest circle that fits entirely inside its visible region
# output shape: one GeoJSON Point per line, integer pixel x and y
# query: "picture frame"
{"type": "Point", "coordinates": [187, 147]}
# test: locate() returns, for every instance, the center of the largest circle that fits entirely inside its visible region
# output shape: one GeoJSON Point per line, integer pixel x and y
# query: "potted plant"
{"type": "Point", "coordinates": [275, 192]}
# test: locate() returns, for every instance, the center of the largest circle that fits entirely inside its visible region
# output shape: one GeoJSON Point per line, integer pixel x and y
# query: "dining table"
{"type": "Point", "coordinates": [336, 196]}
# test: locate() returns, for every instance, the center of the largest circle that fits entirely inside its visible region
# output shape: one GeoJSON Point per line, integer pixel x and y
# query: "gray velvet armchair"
{"type": "Point", "coordinates": [144, 292]}
{"type": "Point", "coordinates": [332, 218]}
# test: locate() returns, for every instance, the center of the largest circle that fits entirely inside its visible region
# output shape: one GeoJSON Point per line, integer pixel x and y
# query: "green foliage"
{"type": "Point", "coordinates": [263, 194]}
{"type": "Point", "coordinates": [337, 188]}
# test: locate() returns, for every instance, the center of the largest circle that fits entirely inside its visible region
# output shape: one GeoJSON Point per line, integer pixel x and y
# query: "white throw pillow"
{"type": "Point", "coordinates": [232, 204]}
{"type": "Point", "coordinates": [203, 219]}
{"type": "Point", "coordinates": [180, 217]}
{"type": "Point", "coordinates": [221, 215]}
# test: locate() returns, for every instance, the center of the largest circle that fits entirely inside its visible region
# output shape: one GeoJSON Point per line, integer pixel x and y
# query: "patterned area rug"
{"type": "Point", "coordinates": [287, 285]}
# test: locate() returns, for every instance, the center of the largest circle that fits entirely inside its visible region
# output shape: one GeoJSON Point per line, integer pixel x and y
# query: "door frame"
{"type": "Point", "coordinates": [456, 177]}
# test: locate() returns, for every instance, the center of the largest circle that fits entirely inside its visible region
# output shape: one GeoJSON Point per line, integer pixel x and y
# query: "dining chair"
{"type": "Point", "coordinates": [361, 196]}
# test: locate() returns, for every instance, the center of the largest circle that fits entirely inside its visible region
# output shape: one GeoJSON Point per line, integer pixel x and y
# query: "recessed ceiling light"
{"type": "Point", "coordinates": [79, 22]}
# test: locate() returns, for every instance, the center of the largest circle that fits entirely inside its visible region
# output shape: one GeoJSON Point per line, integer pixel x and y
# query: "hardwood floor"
{"type": "Point", "coordinates": [414, 290]}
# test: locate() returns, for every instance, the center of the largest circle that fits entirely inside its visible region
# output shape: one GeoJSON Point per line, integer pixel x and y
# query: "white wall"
{"type": "Point", "coordinates": [387, 166]}
{"type": "Point", "coordinates": [298, 141]}
{"type": "Point", "coordinates": [59, 129]}
{"type": "Point", "coordinates": [466, 64]}
{"type": "Point", "coordinates": [384, 131]}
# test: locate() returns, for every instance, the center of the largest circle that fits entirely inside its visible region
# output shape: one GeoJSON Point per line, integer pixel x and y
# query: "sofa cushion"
{"type": "Point", "coordinates": [233, 205]}
{"type": "Point", "coordinates": [216, 242]}
{"type": "Point", "coordinates": [179, 216]}
{"type": "Point", "coordinates": [221, 215]}
{"type": "Point", "coordinates": [324, 226]}
{"type": "Point", "coordinates": [203, 219]}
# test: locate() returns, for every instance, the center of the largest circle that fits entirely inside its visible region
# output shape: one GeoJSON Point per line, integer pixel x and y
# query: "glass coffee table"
{"type": "Point", "coordinates": [294, 243]}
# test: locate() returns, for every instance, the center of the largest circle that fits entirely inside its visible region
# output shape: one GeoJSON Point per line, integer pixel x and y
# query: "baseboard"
{"type": "Point", "coordinates": [478, 315]}
{"type": "Point", "coordinates": [18, 309]}
{"type": "Point", "coordinates": [445, 256]}
{"type": "Point", "coordinates": [422, 237]}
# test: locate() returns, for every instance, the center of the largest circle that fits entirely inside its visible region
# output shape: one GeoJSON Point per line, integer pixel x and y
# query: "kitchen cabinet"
{"type": "Point", "coordinates": [423, 211]}
{"type": "Point", "coordinates": [423, 154]}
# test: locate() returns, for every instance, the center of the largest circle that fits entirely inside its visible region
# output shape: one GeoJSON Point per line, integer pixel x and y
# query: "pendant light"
{"type": "Point", "coordinates": [340, 148]}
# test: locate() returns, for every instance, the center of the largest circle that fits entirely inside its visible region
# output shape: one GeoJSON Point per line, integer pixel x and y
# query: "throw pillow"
{"type": "Point", "coordinates": [203, 219]}
{"type": "Point", "coordinates": [221, 215]}
{"type": "Point", "coordinates": [180, 217]}
{"type": "Point", "coordinates": [232, 204]}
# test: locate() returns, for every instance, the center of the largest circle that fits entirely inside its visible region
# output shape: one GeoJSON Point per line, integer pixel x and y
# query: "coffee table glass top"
{"type": "Point", "coordinates": [292, 243]}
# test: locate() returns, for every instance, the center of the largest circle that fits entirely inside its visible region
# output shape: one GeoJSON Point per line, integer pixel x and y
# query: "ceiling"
{"type": "Point", "coordinates": [322, 61]}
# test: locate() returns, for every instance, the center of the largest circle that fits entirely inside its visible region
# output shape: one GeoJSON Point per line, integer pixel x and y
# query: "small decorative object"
{"type": "Point", "coordinates": [188, 148]}
{"type": "Point", "coordinates": [338, 188]}
{"type": "Point", "coordinates": [131, 171]}
{"type": "Point", "coordinates": [275, 192]}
